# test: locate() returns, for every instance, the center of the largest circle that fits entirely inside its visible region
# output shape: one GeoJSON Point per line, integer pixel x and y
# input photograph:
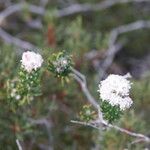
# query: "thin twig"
{"type": "Point", "coordinates": [110, 55]}
{"type": "Point", "coordinates": [18, 144]}
{"type": "Point", "coordinates": [19, 7]}
{"type": "Point", "coordinates": [9, 39]}
{"type": "Point", "coordinates": [113, 48]}
{"type": "Point", "coordinates": [136, 141]}
{"type": "Point", "coordinates": [140, 24]}
{"type": "Point", "coordinates": [80, 78]}
{"type": "Point", "coordinates": [137, 135]}
{"type": "Point", "coordinates": [73, 9]}
{"type": "Point", "coordinates": [84, 123]}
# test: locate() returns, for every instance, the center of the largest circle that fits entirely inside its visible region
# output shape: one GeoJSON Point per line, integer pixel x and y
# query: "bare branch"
{"type": "Point", "coordinates": [19, 7]}
{"type": "Point", "coordinates": [140, 24]}
{"type": "Point", "coordinates": [114, 48]}
{"type": "Point", "coordinates": [18, 144]}
{"type": "Point", "coordinates": [17, 42]}
{"type": "Point", "coordinates": [73, 9]}
{"type": "Point", "coordinates": [81, 8]}
{"type": "Point", "coordinates": [136, 141]}
{"type": "Point", "coordinates": [9, 11]}
{"type": "Point", "coordinates": [84, 123]}
{"type": "Point", "coordinates": [110, 55]}
{"type": "Point", "coordinates": [140, 137]}
{"type": "Point", "coordinates": [80, 78]}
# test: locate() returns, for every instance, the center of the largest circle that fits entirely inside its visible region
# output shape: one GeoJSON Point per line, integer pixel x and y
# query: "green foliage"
{"type": "Point", "coordinates": [110, 113]}
{"type": "Point", "coordinates": [29, 82]}
{"type": "Point", "coordinates": [141, 96]}
{"type": "Point", "coordinates": [87, 113]}
{"type": "Point", "coordinates": [23, 89]}
{"type": "Point", "coordinates": [115, 140]}
{"type": "Point", "coordinates": [74, 36]}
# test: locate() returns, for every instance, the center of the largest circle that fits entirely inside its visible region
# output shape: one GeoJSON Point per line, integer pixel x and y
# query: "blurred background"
{"type": "Point", "coordinates": [103, 37]}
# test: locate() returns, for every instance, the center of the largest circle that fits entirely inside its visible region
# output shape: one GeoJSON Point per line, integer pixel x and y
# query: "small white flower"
{"type": "Point", "coordinates": [18, 97]}
{"type": "Point", "coordinates": [64, 62]}
{"type": "Point", "coordinates": [115, 90]}
{"type": "Point", "coordinates": [13, 92]}
{"type": "Point", "coordinates": [31, 61]}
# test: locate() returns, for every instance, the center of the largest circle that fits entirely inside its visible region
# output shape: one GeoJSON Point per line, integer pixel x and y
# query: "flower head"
{"type": "Point", "coordinates": [31, 61]}
{"type": "Point", "coordinates": [115, 90]}
{"type": "Point", "coordinates": [60, 64]}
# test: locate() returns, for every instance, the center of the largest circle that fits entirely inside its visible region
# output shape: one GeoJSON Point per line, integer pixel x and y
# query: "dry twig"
{"type": "Point", "coordinates": [140, 137]}
{"type": "Point", "coordinates": [113, 48]}
{"type": "Point", "coordinates": [18, 144]}
{"type": "Point", "coordinates": [19, 7]}
{"type": "Point", "coordinates": [9, 39]}
{"type": "Point", "coordinates": [73, 9]}
{"type": "Point", "coordinates": [82, 80]}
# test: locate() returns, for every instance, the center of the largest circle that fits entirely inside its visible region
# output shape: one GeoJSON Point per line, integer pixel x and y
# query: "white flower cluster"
{"type": "Point", "coordinates": [31, 61]}
{"type": "Point", "coordinates": [115, 90]}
